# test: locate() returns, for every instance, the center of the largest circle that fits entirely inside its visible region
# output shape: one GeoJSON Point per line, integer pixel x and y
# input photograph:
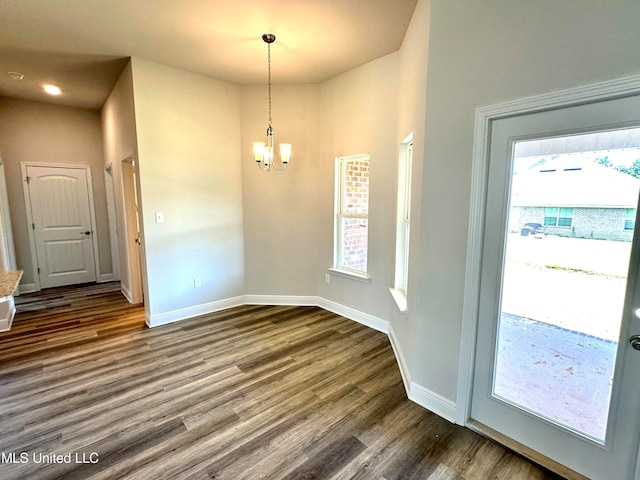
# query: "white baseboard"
{"type": "Point", "coordinates": [106, 277]}
{"type": "Point", "coordinates": [356, 315]}
{"type": "Point", "coordinates": [27, 288]}
{"type": "Point", "coordinates": [32, 287]}
{"type": "Point", "coordinates": [126, 292]}
{"type": "Point", "coordinates": [432, 401]}
{"type": "Point", "coordinates": [7, 312]}
{"type": "Point", "coordinates": [302, 301]}
{"type": "Point", "coordinates": [312, 301]}
{"type": "Point", "coordinates": [190, 312]}
{"type": "Point", "coordinates": [402, 362]}
{"type": "Point", "coordinates": [417, 393]}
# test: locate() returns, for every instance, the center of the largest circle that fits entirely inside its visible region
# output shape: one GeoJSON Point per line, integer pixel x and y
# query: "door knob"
{"type": "Point", "coordinates": [87, 233]}
{"type": "Point", "coordinates": [635, 341]}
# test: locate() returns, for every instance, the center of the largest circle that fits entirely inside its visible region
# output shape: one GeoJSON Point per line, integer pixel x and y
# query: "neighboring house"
{"type": "Point", "coordinates": [576, 197]}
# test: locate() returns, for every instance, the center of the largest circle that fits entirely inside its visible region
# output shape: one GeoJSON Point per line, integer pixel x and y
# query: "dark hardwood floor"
{"type": "Point", "coordinates": [247, 393]}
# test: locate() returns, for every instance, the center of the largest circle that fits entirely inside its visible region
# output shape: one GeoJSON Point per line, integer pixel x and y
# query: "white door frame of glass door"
{"type": "Point", "coordinates": [607, 90]}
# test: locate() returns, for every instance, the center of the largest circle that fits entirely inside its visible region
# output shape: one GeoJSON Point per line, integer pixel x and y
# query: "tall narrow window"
{"type": "Point", "coordinates": [403, 225]}
{"type": "Point", "coordinates": [351, 214]}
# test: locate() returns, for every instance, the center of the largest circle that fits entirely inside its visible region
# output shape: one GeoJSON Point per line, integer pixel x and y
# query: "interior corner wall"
{"type": "Point", "coordinates": [281, 208]}
{"type": "Point", "coordinates": [119, 143]}
{"type": "Point", "coordinates": [40, 132]}
{"type": "Point", "coordinates": [188, 138]}
{"type": "Point", "coordinates": [482, 53]}
{"type": "Point", "coordinates": [359, 114]}
{"type": "Point", "coordinates": [411, 119]}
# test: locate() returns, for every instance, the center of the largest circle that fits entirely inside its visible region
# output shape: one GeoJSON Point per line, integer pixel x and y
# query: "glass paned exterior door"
{"type": "Point", "coordinates": [556, 362]}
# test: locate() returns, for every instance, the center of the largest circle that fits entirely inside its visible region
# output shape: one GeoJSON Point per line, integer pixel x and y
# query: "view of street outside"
{"type": "Point", "coordinates": [562, 292]}
{"type": "Point", "coordinates": [574, 283]}
{"type": "Point", "coordinates": [561, 312]}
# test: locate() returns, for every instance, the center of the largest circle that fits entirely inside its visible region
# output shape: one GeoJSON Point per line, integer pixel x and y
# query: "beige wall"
{"type": "Point", "coordinates": [38, 132]}
{"type": "Point", "coordinates": [411, 117]}
{"type": "Point", "coordinates": [358, 114]}
{"type": "Point", "coordinates": [188, 136]}
{"type": "Point", "coordinates": [281, 230]}
{"type": "Point", "coordinates": [119, 134]}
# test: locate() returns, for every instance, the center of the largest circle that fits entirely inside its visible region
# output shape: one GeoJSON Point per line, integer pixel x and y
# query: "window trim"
{"type": "Point", "coordinates": [403, 224]}
{"type": "Point", "coordinates": [337, 266]}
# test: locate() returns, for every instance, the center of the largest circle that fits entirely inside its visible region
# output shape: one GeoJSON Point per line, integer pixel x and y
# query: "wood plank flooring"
{"type": "Point", "coordinates": [254, 392]}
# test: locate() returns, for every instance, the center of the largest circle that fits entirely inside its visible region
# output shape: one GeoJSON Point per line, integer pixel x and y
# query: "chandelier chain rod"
{"type": "Point", "coordinates": [269, 78]}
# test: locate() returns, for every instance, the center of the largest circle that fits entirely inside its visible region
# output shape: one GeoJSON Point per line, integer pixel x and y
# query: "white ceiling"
{"type": "Point", "coordinates": [82, 45]}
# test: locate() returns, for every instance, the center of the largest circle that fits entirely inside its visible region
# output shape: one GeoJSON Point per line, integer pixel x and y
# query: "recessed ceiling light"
{"type": "Point", "coordinates": [15, 75]}
{"type": "Point", "coordinates": [52, 89]}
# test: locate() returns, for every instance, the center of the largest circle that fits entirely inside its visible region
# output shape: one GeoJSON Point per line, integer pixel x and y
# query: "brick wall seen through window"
{"type": "Point", "coordinates": [352, 217]}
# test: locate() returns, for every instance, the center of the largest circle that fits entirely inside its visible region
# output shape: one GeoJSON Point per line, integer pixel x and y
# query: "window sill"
{"type": "Point", "coordinates": [400, 298]}
{"type": "Point", "coordinates": [360, 277]}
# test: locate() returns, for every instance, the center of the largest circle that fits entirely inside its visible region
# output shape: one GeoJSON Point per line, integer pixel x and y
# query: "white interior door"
{"type": "Point", "coordinates": [554, 367]}
{"type": "Point", "coordinates": [60, 207]}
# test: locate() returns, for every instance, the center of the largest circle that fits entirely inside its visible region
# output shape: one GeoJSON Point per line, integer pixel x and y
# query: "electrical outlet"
{"type": "Point", "coordinates": [327, 278]}
{"type": "Point", "coordinates": [197, 282]}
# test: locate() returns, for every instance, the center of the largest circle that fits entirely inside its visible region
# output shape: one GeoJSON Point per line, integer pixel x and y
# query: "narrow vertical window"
{"type": "Point", "coordinates": [404, 196]}
{"type": "Point", "coordinates": [351, 214]}
{"type": "Point", "coordinates": [403, 225]}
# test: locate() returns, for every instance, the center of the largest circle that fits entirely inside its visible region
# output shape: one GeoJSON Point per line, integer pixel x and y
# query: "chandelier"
{"type": "Point", "coordinates": [263, 151]}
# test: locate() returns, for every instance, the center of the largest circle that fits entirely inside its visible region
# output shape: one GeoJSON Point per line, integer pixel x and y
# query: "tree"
{"type": "Point", "coordinates": [604, 161]}
{"type": "Point", "coordinates": [633, 169]}
{"type": "Point", "coordinates": [542, 161]}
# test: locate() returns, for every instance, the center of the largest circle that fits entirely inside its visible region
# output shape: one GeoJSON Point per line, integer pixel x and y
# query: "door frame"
{"type": "Point", "coordinates": [133, 251]}
{"type": "Point", "coordinates": [112, 217]}
{"type": "Point", "coordinates": [27, 203]}
{"type": "Point", "coordinates": [8, 254]}
{"type": "Point", "coordinates": [484, 118]}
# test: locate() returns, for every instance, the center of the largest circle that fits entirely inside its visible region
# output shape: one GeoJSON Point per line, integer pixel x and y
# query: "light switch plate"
{"type": "Point", "coordinates": [159, 217]}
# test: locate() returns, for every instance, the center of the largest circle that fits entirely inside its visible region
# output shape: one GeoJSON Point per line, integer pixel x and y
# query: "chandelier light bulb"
{"type": "Point", "coordinates": [258, 151]}
{"type": "Point", "coordinates": [285, 152]}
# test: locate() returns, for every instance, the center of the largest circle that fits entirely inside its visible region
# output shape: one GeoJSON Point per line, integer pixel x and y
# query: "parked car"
{"type": "Point", "coordinates": [533, 229]}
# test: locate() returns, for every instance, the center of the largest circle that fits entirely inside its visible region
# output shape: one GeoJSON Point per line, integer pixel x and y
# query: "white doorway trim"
{"type": "Point", "coordinates": [483, 121]}
{"type": "Point", "coordinates": [113, 226]}
{"type": "Point", "coordinates": [36, 286]}
{"type": "Point", "coordinates": [8, 254]}
{"type": "Point", "coordinates": [134, 292]}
